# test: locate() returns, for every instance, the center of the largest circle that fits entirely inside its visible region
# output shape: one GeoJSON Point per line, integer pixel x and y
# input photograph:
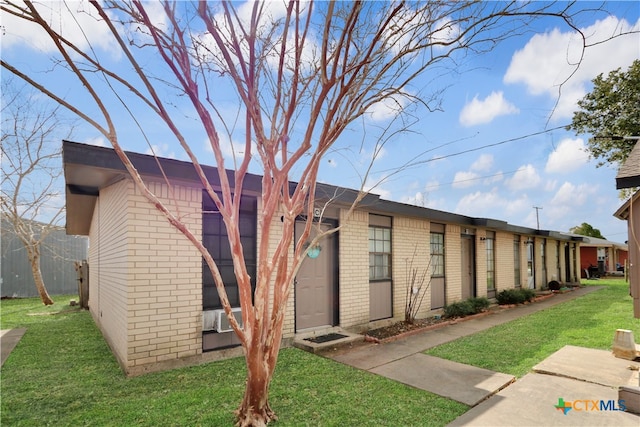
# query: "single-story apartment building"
{"type": "Point", "coordinates": [601, 256]}
{"type": "Point", "coordinates": [154, 300]}
{"type": "Point", "coordinates": [629, 177]}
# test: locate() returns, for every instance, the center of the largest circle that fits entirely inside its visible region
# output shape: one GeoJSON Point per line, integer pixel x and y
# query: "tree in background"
{"type": "Point", "coordinates": [30, 200]}
{"type": "Point", "coordinates": [303, 74]}
{"type": "Point", "coordinates": [610, 114]}
{"type": "Point", "coordinates": [585, 229]}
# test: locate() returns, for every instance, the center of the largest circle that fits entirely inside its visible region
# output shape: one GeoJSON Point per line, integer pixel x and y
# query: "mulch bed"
{"type": "Point", "coordinates": [403, 329]}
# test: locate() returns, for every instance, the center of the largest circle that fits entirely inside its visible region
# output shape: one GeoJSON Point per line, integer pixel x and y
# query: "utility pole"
{"type": "Point", "coordinates": [537, 208]}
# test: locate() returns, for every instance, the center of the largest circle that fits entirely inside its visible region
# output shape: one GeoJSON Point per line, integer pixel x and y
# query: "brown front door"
{"type": "Point", "coordinates": [315, 285]}
{"type": "Point", "coordinates": [467, 264]}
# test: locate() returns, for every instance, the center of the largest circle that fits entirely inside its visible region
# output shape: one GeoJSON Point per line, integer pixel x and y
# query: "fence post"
{"type": "Point", "coordinates": [83, 283]}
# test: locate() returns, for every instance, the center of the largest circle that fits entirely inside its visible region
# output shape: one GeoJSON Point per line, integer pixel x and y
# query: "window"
{"type": "Point", "coordinates": [437, 254]}
{"type": "Point", "coordinates": [214, 238]}
{"type": "Point", "coordinates": [516, 261]}
{"type": "Point", "coordinates": [379, 253]}
{"type": "Point", "coordinates": [491, 260]}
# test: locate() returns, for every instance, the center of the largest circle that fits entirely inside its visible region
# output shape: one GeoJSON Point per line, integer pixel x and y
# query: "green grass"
{"type": "Point", "coordinates": [515, 347]}
{"type": "Point", "coordinates": [63, 373]}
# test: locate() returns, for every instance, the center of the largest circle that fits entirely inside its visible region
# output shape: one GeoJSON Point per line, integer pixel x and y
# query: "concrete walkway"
{"type": "Point", "coordinates": [582, 377]}
{"type": "Point", "coordinates": [9, 338]}
{"type": "Point", "coordinates": [519, 402]}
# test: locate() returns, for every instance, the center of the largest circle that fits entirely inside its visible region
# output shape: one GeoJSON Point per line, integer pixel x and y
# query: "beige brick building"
{"type": "Point", "coordinates": [154, 300]}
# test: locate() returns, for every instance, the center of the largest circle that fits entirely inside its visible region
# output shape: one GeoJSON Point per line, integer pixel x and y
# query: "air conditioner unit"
{"type": "Point", "coordinates": [216, 320]}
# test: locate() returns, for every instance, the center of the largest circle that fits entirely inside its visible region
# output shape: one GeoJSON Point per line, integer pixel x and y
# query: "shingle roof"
{"type": "Point", "coordinates": [629, 173]}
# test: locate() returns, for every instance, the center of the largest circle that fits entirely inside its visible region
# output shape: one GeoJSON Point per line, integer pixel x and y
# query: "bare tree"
{"type": "Point", "coordinates": [418, 283]}
{"type": "Point", "coordinates": [303, 74]}
{"type": "Point", "coordinates": [31, 202]}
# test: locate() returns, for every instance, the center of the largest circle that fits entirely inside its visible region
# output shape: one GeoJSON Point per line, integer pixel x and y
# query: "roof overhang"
{"type": "Point", "coordinates": [88, 169]}
{"type": "Point", "coordinates": [629, 173]}
{"type": "Point", "coordinates": [623, 211]}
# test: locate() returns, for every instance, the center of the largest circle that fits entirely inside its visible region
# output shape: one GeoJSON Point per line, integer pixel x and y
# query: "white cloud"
{"type": "Point", "coordinates": [525, 177]}
{"type": "Point", "coordinates": [548, 59]}
{"type": "Point", "coordinates": [98, 141]}
{"type": "Point", "coordinates": [367, 157]}
{"type": "Point", "coordinates": [484, 111]}
{"type": "Point", "coordinates": [161, 150]}
{"type": "Point", "coordinates": [493, 178]}
{"type": "Point", "coordinates": [418, 199]}
{"type": "Point", "coordinates": [464, 179]}
{"type": "Point", "coordinates": [77, 21]}
{"type": "Point", "coordinates": [518, 205]}
{"type": "Point", "coordinates": [446, 32]}
{"type": "Point", "coordinates": [388, 108]}
{"type": "Point", "coordinates": [483, 164]}
{"type": "Point", "coordinates": [568, 198]}
{"type": "Point", "coordinates": [480, 203]}
{"type": "Point", "coordinates": [374, 185]}
{"type": "Point", "coordinates": [432, 185]}
{"type": "Point", "coordinates": [269, 27]}
{"type": "Point", "coordinates": [493, 204]}
{"type": "Point", "coordinates": [230, 150]}
{"type": "Point", "coordinates": [550, 185]}
{"type": "Point", "coordinates": [569, 156]}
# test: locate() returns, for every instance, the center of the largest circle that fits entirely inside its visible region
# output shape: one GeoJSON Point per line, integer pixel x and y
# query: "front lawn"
{"type": "Point", "coordinates": [516, 347]}
{"type": "Point", "coordinates": [63, 373]}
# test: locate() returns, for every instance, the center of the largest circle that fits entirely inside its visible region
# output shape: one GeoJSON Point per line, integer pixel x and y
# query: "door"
{"type": "Point", "coordinates": [315, 284]}
{"type": "Point", "coordinates": [567, 263]}
{"type": "Point", "coordinates": [531, 268]}
{"type": "Point", "coordinates": [467, 264]}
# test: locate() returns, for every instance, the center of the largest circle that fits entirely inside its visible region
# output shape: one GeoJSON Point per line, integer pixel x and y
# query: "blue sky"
{"type": "Point", "coordinates": [490, 153]}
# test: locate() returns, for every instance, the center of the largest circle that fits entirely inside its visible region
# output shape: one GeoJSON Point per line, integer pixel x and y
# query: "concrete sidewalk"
{"type": "Point", "coordinates": [9, 338]}
{"type": "Point", "coordinates": [514, 402]}
{"type": "Point", "coordinates": [581, 377]}
{"type": "Point", "coordinates": [371, 356]}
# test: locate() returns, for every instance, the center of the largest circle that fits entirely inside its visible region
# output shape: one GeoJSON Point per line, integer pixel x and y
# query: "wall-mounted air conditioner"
{"type": "Point", "coordinates": [216, 320]}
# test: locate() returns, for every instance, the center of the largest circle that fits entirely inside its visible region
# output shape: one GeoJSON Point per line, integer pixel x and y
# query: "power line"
{"type": "Point", "coordinates": [470, 150]}
{"type": "Point", "coordinates": [470, 179]}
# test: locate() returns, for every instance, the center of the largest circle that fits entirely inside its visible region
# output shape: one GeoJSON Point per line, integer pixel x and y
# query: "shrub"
{"type": "Point", "coordinates": [467, 307]}
{"type": "Point", "coordinates": [515, 296]}
{"type": "Point", "coordinates": [509, 296]}
{"type": "Point", "coordinates": [479, 304]}
{"type": "Point", "coordinates": [458, 309]}
{"type": "Point", "coordinates": [529, 294]}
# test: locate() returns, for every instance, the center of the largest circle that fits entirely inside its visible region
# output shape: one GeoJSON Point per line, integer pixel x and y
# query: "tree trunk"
{"type": "Point", "coordinates": [254, 409]}
{"type": "Point", "coordinates": [34, 259]}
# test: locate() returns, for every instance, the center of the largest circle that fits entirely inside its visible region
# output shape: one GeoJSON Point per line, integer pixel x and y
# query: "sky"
{"type": "Point", "coordinates": [497, 149]}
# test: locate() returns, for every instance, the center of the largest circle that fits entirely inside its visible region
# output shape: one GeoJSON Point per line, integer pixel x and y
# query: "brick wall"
{"type": "Point", "coordinates": [354, 269]}
{"type": "Point", "coordinates": [108, 266]}
{"type": "Point", "coordinates": [146, 285]}
{"type": "Point", "coordinates": [504, 261]}
{"type": "Point", "coordinates": [164, 278]}
{"type": "Point", "coordinates": [453, 272]}
{"type": "Point", "coordinates": [409, 236]}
